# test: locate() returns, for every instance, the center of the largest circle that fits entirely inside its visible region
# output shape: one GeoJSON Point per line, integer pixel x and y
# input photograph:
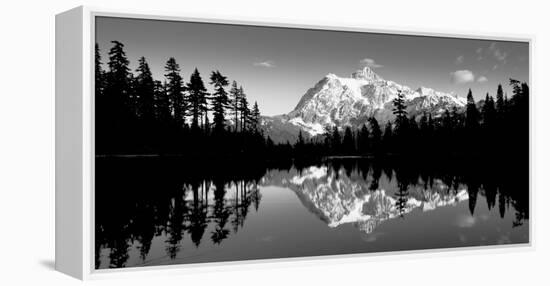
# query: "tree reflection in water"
{"type": "Point", "coordinates": [140, 199]}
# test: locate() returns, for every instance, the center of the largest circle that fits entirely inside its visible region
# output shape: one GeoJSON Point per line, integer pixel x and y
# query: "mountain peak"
{"type": "Point", "coordinates": [424, 90]}
{"type": "Point", "coordinates": [344, 101]}
{"type": "Point", "coordinates": [366, 74]}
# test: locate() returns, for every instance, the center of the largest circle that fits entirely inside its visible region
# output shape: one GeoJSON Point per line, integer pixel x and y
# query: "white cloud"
{"type": "Point", "coordinates": [479, 53]}
{"type": "Point", "coordinates": [462, 76]}
{"type": "Point", "coordinates": [459, 60]}
{"type": "Point", "coordinates": [482, 79]}
{"type": "Point", "coordinates": [499, 55]}
{"type": "Point", "coordinates": [265, 64]}
{"type": "Point", "coordinates": [366, 62]}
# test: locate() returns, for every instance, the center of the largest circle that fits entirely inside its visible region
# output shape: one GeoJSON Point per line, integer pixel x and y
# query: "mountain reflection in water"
{"type": "Point", "coordinates": [339, 199]}
{"type": "Point", "coordinates": [164, 211]}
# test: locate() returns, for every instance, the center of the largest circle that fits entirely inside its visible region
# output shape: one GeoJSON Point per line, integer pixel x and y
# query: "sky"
{"type": "Point", "coordinates": [276, 66]}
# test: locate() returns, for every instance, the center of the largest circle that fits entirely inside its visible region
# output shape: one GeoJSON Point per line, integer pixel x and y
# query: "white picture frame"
{"type": "Point", "coordinates": [74, 212]}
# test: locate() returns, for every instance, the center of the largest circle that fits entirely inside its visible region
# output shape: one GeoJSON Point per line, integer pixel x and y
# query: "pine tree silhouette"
{"type": "Point", "coordinates": [220, 101]}
{"type": "Point", "coordinates": [175, 91]}
{"type": "Point", "coordinates": [235, 99]}
{"type": "Point", "coordinates": [196, 97]}
{"type": "Point", "coordinates": [336, 140]}
{"type": "Point", "coordinates": [363, 140]}
{"type": "Point", "coordinates": [145, 90]}
{"type": "Point", "coordinates": [376, 135]}
{"type": "Point", "coordinates": [255, 117]}
{"type": "Point", "coordinates": [500, 99]}
{"type": "Point", "coordinates": [244, 109]}
{"type": "Point", "coordinates": [348, 144]}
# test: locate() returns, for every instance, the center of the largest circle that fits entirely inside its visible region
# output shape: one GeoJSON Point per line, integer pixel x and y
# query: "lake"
{"type": "Point", "coordinates": [159, 211]}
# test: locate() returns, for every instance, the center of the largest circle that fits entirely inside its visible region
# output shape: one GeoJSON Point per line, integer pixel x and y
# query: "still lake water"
{"type": "Point", "coordinates": [152, 211]}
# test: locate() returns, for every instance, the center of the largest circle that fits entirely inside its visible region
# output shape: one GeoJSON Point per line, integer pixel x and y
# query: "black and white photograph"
{"type": "Point", "coordinates": [219, 142]}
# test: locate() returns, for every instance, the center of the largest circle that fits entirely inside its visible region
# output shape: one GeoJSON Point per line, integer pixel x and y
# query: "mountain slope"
{"type": "Point", "coordinates": [339, 101]}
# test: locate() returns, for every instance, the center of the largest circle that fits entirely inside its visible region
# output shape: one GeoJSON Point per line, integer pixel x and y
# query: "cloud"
{"type": "Point", "coordinates": [482, 79]}
{"type": "Point", "coordinates": [366, 62]}
{"type": "Point", "coordinates": [479, 53]}
{"type": "Point", "coordinates": [462, 76]}
{"type": "Point", "coordinates": [265, 64]}
{"type": "Point", "coordinates": [459, 60]}
{"type": "Point", "coordinates": [497, 53]}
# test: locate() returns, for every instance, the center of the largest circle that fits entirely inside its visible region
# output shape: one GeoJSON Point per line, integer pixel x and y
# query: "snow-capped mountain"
{"type": "Point", "coordinates": [338, 199]}
{"type": "Point", "coordinates": [350, 101]}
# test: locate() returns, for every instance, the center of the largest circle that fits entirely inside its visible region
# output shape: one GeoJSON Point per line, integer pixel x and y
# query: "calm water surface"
{"type": "Point", "coordinates": [158, 211]}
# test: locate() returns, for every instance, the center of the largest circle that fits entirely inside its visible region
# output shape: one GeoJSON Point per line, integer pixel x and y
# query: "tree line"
{"type": "Point", "coordinates": [136, 114]}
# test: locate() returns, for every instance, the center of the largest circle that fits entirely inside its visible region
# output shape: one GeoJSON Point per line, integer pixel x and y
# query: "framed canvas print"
{"type": "Point", "coordinates": [187, 141]}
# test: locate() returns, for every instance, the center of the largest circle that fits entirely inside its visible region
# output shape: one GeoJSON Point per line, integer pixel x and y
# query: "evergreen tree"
{"type": "Point", "coordinates": [456, 118]}
{"type": "Point", "coordinates": [401, 122]}
{"type": "Point", "coordinates": [348, 143]}
{"type": "Point", "coordinates": [525, 92]}
{"type": "Point", "coordinates": [115, 104]}
{"type": "Point", "coordinates": [471, 124]}
{"type": "Point", "coordinates": [99, 73]}
{"type": "Point", "coordinates": [516, 88]}
{"type": "Point", "coordinates": [424, 123]}
{"type": "Point", "coordinates": [518, 121]}
{"type": "Point", "coordinates": [489, 112]}
{"type": "Point", "coordinates": [174, 89]}
{"type": "Point", "coordinates": [472, 114]}
{"type": "Point", "coordinates": [447, 122]}
{"type": "Point", "coordinates": [234, 103]}
{"type": "Point", "coordinates": [145, 90]}
{"type": "Point", "coordinates": [300, 144]}
{"type": "Point", "coordinates": [327, 138]}
{"type": "Point", "coordinates": [132, 100]}
{"type": "Point", "coordinates": [197, 94]}
{"type": "Point", "coordinates": [220, 101]}
{"type": "Point", "coordinates": [376, 134]}
{"type": "Point", "coordinates": [255, 116]}
{"type": "Point", "coordinates": [363, 140]}
{"type": "Point", "coordinates": [401, 198]}
{"type": "Point", "coordinates": [118, 78]}
{"type": "Point", "coordinates": [244, 109]}
{"type": "Point", "coordinates": [103, 107]}
{"type": "Point", "coordinates": [400, 112]}
{"type": "Point", "coordinates": [500, 99]}
{"type": "Point", "coordinates": [336, 140]}
{"type": "Point", "coordinates": [520, 96]}
{"type": "Point", "coordinates": [162, 102]}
